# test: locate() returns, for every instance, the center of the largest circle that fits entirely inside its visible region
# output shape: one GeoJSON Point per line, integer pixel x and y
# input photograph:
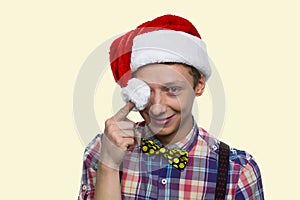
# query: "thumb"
{"type": "Point", "coordinates": [124, 111]}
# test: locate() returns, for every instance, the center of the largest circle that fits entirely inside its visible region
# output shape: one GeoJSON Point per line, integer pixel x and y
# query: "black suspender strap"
{"type": "Point", "coordinates": [223, 164]}
{"type": "Point", "coordinates": [121, 172]}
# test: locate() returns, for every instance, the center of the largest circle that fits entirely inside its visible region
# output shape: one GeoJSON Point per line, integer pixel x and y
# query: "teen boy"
{"type": "Point", "coordinates": [167, 156]}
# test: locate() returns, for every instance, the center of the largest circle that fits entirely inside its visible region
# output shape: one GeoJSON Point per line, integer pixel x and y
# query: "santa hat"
{"type": "Point", "coordinates": [168, 38]}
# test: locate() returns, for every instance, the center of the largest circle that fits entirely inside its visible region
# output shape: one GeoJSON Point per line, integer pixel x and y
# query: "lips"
{"type": "Point", "coordinates": [162, 121]}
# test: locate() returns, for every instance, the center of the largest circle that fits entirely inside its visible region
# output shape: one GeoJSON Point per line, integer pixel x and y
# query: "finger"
{"type": "Point", "coordinates": [127, 133]}
{"type": "Point", "coordinates": [123, 112]}
{"type": "Point", "coordinates": [125, 125]}
{"type": "Point", "coordinates": [115, 135]}
{"type": "Point", "coordinates": [137, 136]}
{"type": "Point", "coordinates": [127, 143]}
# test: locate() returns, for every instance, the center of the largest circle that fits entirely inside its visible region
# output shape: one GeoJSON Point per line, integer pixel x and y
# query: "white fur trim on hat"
{"type": "Point", "coordinates": [169, 46]}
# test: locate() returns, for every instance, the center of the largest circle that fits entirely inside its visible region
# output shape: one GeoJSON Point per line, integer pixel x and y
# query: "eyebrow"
{"type": "Point", "coordinates": [174, 83]}
{"type": "Point", "coordinates": [171, 83]}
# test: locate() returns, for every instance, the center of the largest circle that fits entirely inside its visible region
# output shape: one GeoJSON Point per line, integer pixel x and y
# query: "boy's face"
{"type": "Point", "coordinates": [172, 95]}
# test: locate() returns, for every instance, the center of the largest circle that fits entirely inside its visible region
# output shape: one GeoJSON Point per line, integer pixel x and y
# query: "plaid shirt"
{"type": "Point", "coordinates": [151, 177]}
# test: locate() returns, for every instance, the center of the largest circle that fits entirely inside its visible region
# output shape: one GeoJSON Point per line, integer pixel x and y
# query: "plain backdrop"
{"type": "Point", "coordinates": [43, 44]}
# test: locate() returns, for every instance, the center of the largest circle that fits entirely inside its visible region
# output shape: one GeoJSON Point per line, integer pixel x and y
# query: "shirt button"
{"type": "Point", "coordinates": [164, 181]}
{"type": "Point", "coordinates": [214, 147]}
{"type": "Point", "coordinates": [84, 187]}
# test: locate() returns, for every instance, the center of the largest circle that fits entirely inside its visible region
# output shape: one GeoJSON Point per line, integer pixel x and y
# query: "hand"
{"type": "Point", "coordinates": [118, 137]}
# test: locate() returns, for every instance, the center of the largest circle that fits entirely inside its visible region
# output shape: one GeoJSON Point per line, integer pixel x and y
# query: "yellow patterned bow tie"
{"type": "Point", "coordinates": [176, 157]}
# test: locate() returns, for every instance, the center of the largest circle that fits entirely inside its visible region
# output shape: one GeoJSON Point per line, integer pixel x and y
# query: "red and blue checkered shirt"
{"type": "Point", "coordinates": [151, 177]}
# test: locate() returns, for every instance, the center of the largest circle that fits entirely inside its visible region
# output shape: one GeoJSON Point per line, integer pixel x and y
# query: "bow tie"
{"type": "Point", "coordinates": [176, 157]}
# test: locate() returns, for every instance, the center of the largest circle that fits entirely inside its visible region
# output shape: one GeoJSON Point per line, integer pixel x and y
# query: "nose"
{"type": "Point", "coordinates": [157, 104]}
{"type": "Point", "coordinates": [157, 110]}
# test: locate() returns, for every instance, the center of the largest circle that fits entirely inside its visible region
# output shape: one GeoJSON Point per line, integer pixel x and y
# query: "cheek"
{"type": "Point", "coordinates": [185, 102]}
{"type": "Point", "coordinates": [176, 103]}
{"type": "Point", "coordinates": [180, 103]}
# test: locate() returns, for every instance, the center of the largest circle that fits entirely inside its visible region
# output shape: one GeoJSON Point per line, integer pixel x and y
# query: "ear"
{"type": "Point", "coordinates": [199, 89]}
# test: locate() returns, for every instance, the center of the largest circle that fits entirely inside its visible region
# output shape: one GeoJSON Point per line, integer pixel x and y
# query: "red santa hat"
{"type": "Point", "coordinates": [167, 38]}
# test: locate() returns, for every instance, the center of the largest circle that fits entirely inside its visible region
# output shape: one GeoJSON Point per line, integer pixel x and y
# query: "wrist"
{"type": "Point", "coordinates": [107, 171]}
{"type": "Point", "coordinates": [105, 165]}
{"type": "Point", "coordinates": [108, 160]}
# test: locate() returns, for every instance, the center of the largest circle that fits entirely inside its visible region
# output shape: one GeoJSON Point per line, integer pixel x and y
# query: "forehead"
{"type": "Point", "coordinates": [164, 74]}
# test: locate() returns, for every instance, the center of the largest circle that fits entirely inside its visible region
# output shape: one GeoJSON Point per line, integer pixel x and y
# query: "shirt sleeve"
{"type": "Point", "coordinates": [250, 183]}
{"type": "Point", "coordinates": [90, 165]}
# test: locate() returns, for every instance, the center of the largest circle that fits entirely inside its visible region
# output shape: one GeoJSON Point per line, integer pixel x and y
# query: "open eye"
{"type": "Point", "coordinates": [174, 90]}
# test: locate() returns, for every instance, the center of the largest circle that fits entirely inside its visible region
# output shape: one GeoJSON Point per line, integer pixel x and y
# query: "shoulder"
{"type": "Point", "coordinates": [240, 157]}
{"type": "Point", "coordinates": [236, 156]}
{"type": "Point", "coordinates": [249, 180]}
{"type": "Point", "coordinates": [244, 169]}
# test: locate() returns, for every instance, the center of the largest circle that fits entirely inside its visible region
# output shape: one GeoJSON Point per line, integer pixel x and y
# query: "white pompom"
{"type": "Point", "coordinates": [138, 92]}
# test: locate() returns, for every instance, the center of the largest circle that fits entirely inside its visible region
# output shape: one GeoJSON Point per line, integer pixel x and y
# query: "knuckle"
{"type": "Point", "coordinates": [131, 141]}
{"type": "Point", "coordinates": [119, 125]}
{"type": "Point", "coordinates": [108, 122]}
{"type": "Point", "coordinates": [110, 128]}
{"type": "Point", "coordinates": [118, 141]}
{"type": "Point", "coordinates": [128, 132]}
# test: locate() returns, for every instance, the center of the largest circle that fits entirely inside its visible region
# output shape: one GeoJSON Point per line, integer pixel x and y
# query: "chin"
{"type": "Point", "coordinates": [164, 130]}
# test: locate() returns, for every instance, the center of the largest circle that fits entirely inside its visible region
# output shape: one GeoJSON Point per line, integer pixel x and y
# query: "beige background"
{"type": "Point", "coordinates": [254, 45]}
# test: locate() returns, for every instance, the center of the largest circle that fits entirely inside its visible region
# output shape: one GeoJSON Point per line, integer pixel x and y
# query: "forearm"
{"type": "Point", "coordinates": [107, 183]}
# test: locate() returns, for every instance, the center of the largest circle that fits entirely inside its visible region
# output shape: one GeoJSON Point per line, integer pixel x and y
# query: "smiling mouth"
{"type": "Point", "coordinates": [162, 121]}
